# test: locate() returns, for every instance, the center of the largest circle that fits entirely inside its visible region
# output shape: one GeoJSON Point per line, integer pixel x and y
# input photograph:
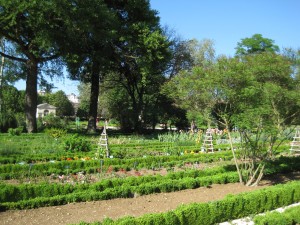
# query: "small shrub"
{"type": "Point", "coordinates": [51, 121]}
{"type": "Point", "coordinates": [15, 131]}
{"type": "Point", "coordinates": [75, 143]}
{"type": "Point", "coordinates": [56, 132]}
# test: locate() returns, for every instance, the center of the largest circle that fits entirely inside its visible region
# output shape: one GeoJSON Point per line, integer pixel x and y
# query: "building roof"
{"type": "Point", "coordinates": [46, 106]}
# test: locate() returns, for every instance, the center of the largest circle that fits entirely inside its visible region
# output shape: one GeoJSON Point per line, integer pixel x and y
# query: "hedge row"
{"type": "Point", "coordinates": [27, 191]}
{"type": "Point", "coordinates": [73, 166]}
{"type": "Point", "coordinates": [290, 216]}
{"type": "Point", "coordinates": [123, 191]}
{"type": "Point", "coordinates": [282, 164]}
{"type": "Point", "coordinates": [12, 193]}
{"type": "Point", "coordinates": [117, 152]}
{"type": "Point", "coordinates": [231, 207]}
{"type": "Point", "coordinates": [35, 195]}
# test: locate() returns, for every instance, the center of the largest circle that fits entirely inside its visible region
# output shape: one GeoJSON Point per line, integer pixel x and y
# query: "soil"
{"type": "Point", "coordinates": [96, 211]}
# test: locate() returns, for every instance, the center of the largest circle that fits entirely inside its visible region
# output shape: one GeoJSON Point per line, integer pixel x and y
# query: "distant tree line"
{"type": "Point", "coordinates": [130, 67]}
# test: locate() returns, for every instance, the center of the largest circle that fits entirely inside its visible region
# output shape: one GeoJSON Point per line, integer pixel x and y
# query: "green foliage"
{"type": "Point", "coordinates": [15, 131]}
{"type": "Point", "coordinates": [52, 121]}
{"type": "Point", "coordinates": [126, 187]}
{"type": "Point", "coordinates": [75, 143]}
{"type": "Point", "coordinates": [61, 101]}
{"type": "Point", "coordinates": [255, 93]}
{"type": "Point", "coordinates": [56, 132]}
{"type": "Point", "coordinates": [36, 38]}
{"type": "Point", "coordinates": [289, 217]}
{"type": "Point", "coordinates": [7, 120]}
{"type": "Point", "coordinates": [256, 44]}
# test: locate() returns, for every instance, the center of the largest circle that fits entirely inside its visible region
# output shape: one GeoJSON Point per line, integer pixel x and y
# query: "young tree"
{"type": "Point", "coordinates": [203, 60]}
{"type": "Point", "coordinates": [256, 93]}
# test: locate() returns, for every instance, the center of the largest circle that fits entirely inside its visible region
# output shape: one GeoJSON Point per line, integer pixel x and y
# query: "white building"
{"type": "Point", "coordinates": [73, 98]}
{"type": "Point", "coordinates": [45, 109]}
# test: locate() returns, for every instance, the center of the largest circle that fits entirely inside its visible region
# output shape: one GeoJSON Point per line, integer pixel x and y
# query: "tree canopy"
{"type": "Point", "coordinates": [255, 93]}
{"type": "Point", "coordinates": [256, 44]}
{"type": "Point", "coordinates": [29, 28]}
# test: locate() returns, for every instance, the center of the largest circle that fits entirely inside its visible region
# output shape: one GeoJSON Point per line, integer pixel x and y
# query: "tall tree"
{"type": "Point", "coordinates": [256, 44]}
{"type": "Point", "coordinates": [28, 27]}
{"type": "Point", "coordinates": [90, 31]}
{"type": "Point", "coordinates": [203, 60]}
{"type": "Point", "coordinates": [140, 55]}
{"type": "Point", "coordinates": [181, 56]}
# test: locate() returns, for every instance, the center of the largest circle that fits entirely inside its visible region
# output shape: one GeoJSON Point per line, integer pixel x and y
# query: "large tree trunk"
{"type": "Point", "coordinates": [31, 96]}
{"type": "Point", "coordinates": [137, 114]}
{"type": "Point", "coordinates": [95, 79]}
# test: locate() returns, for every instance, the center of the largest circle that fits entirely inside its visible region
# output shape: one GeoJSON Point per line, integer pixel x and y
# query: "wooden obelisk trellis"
{"type": "Point", "coordinates": [208, 141]}
{"type": "Point", "coordinates": [295, 144]}
{"type": "Point", "coordinates": [104, 140]}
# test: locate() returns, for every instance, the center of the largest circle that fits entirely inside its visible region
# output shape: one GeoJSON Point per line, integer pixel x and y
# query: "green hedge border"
{"type": "Point", "coordinates": [290, 216]}
{"type": "Point", "coordinates": [231, 207]}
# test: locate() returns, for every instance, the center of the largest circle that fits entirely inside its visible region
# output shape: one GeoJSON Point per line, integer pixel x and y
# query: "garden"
{"type": "Point", "coordinates": [64, 170]}
{"type": "Point", "coordinates": [226, 123]}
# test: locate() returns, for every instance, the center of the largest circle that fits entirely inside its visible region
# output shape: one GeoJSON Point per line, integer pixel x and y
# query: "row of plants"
{"type": "Point", "coordinates": [40, 147]}
{"type": "Point", "coordinates": [290, 216]}
{"type": "Point", "coordinates": [10, 193]}
{"type": "Point", "coordinates": [119, 152]}
{"type": "Point", "coordinates": [38, 195]}
{"type": "Point", "coordinates": [14, 152]}
{"type": "Point", "coordinates": [31, 158]}
{"type": "Point", "coordinates": [116, 152]}
{"type": "Point", "coordinates": [73, 165]}
{"type": "Point", "coordinates": [123, 191]}
{"type": "Point", "coordinates": [17, 171]}
{"type": "Point", "coordinates": [231, 207]}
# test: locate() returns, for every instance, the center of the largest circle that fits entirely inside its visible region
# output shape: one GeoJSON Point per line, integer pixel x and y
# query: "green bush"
{"type": "Point", "coordinates": [56, 132]}
{"type": "Point", "coordinates": [290, 216]}
{"type": "Point", "coordinates": [52, 121]}
{"type": "Point", "coordinates": [75, 143]}
{"type": "Point", "coordinates": [15, 131]}
{"type": "Point", "coordinates": [7, 120]}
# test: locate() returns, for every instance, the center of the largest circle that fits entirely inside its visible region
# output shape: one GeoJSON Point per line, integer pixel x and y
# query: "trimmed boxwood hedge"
{"type": "Point", "coordinates": [13, 196]}
{"type": "Point", "coordinates": [290, 216]}
{"type": "Point", "coordinates": [231, 207]}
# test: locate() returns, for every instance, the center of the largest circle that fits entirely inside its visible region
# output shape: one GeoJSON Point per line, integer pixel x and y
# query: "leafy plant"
{"type": "Point", "coordinates": [15, 131]}
{"type": "Point", "coordinates": [75, 143]}
{"type": "Point", "coordinates": [56, 132]}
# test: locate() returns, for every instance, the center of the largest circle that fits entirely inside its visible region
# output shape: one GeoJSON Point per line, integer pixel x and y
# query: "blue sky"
{"type": "Point", "coordinates": [224, 21]}
{"type": "Point", "coordinates": [228, 21]}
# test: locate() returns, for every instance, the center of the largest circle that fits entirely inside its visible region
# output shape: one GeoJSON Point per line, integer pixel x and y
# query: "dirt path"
{"type": "Point", "coordinates": [116, 208]}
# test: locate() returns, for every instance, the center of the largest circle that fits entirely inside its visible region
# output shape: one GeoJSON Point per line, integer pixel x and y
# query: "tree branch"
{"type": "Point", "coordinates": [13, 57]}
{"type": "Point", "coordinates": [44, 59]}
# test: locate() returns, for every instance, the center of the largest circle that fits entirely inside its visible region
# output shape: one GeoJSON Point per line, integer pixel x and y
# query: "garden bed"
{"type": "Point", "coordinates": [138, 206]}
